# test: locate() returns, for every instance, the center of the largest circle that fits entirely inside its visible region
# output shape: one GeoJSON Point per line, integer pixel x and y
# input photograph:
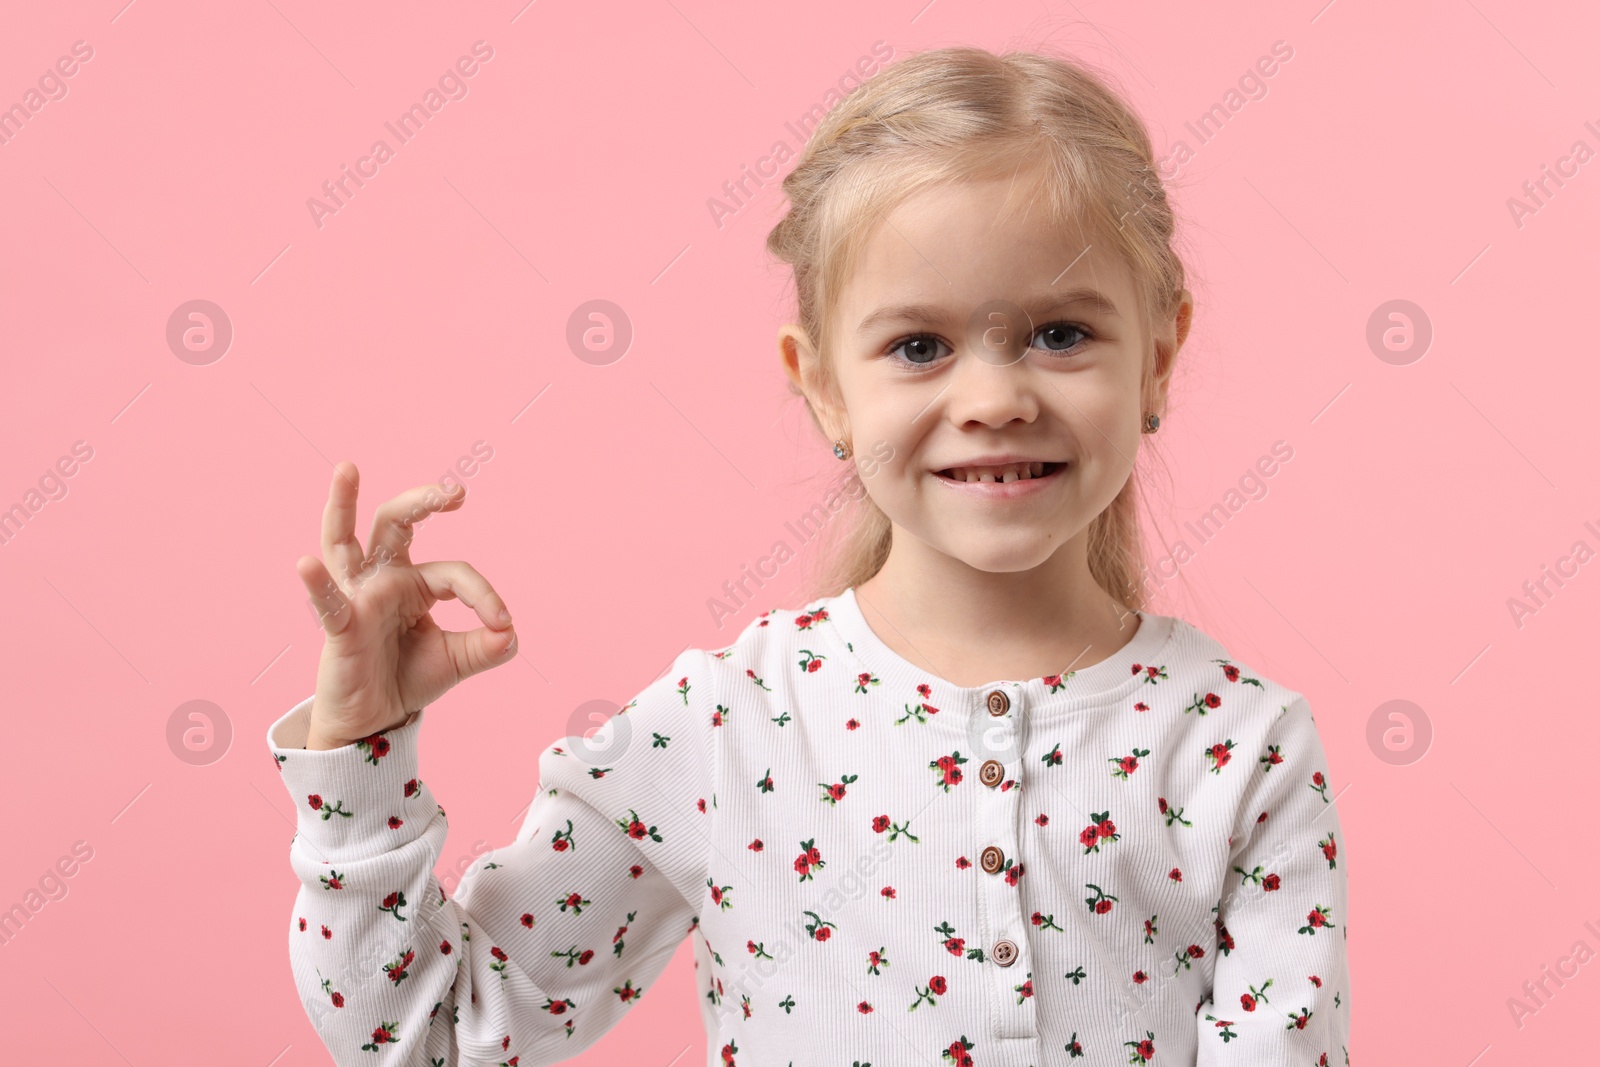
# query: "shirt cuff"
{"type": "Point", "coordinates": [358, 800]}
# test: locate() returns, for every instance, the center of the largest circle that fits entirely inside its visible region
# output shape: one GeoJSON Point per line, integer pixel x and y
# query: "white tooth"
{"type": "Point", "coordinates": [1009, 476]}
{"type": "Point", "coordinates": [1036, 469]}
{"type": "Point", "coordinates": [986, 477]}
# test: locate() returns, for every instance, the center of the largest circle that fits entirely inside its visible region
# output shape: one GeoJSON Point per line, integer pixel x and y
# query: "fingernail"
{"type": "Point", "coordinates": [505, 616]}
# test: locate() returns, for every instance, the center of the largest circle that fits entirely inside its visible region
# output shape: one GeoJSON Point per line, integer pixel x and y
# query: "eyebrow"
{"type": "Point", "coordinates": [1040, 308]}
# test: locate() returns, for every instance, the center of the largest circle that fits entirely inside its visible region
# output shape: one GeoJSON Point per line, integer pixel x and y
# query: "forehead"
{"type": "Point", "coordinates": [956, 246]}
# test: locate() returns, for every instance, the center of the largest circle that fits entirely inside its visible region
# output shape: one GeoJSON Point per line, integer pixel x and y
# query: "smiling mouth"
{"type": "Point", "coordinates": [1008, 472]}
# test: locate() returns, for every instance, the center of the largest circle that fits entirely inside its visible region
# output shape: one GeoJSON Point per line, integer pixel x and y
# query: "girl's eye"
{"type": "Point", "coordinates": [920, 349]}
{"type": "Point", "coordinates": [1058, 336]}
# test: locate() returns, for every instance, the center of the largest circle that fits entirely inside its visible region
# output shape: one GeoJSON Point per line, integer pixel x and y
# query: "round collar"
{"type": "Point", "coordinates": [1098, 684]}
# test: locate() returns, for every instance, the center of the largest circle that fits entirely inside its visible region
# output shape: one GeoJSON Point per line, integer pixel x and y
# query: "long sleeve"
{"type": "Point", "coordinates": [1280, 990]}
{"type": "Point", "coordinates": [548, 940]}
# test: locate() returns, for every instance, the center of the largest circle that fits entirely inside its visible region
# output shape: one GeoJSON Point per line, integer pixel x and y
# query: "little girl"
{"type": "Point", "coordinates": [970, 804]}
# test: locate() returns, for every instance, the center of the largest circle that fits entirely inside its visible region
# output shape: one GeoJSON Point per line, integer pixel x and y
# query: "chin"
{"type": "Point", "coordinates": [1005, 558]}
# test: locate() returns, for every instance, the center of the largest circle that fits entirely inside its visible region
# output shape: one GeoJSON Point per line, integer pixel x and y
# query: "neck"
{"type": "Point", "coordinates": [971, 626]}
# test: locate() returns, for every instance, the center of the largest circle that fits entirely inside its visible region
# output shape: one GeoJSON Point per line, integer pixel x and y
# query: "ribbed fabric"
{"type": "Point", "coordinates": [1148, 871]}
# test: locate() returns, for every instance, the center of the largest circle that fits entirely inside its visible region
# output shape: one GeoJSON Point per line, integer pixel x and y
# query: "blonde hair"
{"type": "Point", "coordinates": [953, 114]}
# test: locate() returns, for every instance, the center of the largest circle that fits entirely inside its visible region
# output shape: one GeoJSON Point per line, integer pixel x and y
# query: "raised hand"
{"type": "Point", "coordinates": [383, 656]}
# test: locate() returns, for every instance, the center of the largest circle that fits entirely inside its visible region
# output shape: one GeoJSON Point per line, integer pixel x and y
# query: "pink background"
{"type": "Point", "coordinates": [430, 311]}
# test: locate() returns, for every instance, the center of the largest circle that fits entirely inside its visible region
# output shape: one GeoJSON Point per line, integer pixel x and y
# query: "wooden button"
{"type": "Point", "coordinates": [999, 703]}
{"type": "Point", "coordinates": [1004, 952]}
{"type": "Point", "coordinates": [992, 859]}
{"type": "Point", "coordinates": [991, 772]}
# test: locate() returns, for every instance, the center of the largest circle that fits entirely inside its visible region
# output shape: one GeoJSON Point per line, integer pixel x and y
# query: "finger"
{"type": "Point", "coordinates": [477, 650]}
{"type": "Point", "coordinates": [456, 580]}
{"type": "Point", "coordinates": [392, 533]}
{"type": "Point", "coordinates": [331, 607]}
{"type": "Point", "coordinates": [341, 551]}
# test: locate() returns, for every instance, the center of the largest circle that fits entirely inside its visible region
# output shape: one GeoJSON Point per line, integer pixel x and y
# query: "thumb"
{"type": "Point", "coordinates": [475, 651]}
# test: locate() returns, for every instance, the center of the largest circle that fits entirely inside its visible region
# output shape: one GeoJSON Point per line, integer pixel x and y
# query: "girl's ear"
{"type": "Point", "coordinates": [803, 364]}
{"type": "Point", "coordinates": [1169, 338]}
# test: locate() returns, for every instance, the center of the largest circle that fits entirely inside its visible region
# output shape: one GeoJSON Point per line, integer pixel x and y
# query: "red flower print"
{"type": "Point", "coordinates": [938, 984]}
{"type": "Point", "coordinates": [851, 724]}
{"type": "Point", "coordinates": [376, 747]}
{"type": "Point", "coordinates": [962, 863]}
{"type": "Point", "coordinates": [949, 768]}
{"type": "Point", "coordinates": [395, 823]}
{"type": "Point", "coordinates": [887, 892]}
{"type": "Point", "coordinates": [810, 859]}
{"type": "Point", "coordinates": [1317, 920]}
{"type": "Point", "coordinates": [1140, 978]}
{"type": "Point", "coordinates": [1101, 830]}
{"type": "Point", "coordinates": [755, 845]}
{"type": "Point", "coordinates": [1101, 902]}
{"type": "Point", "coordinates": [1175, 874]}
{"type": "Point", "coordinates": [1330, 850]}
{"type": "Point", "coordinates": [880, 823]}
{"type": "Point", "coordinates": [834, 793]}
{"type": "Point", "coordinates": [383, 1035]}
{"type": "Point", "coordinates": [819, 928]}
{"type": "Point", "coordinates": [635, 871]}
{"type": "Point", "coordinates": [864, 1007]}
{"type": "Point", "coordinates": [1141, 706]}
{"type": "Point", "coordinates": [1219, 754]}
{"type": "Point", "coordinates": [338, 1000]}
{"type": "Point", "coordinates": [1122, 766]}
{"type": "Point", "coordinates": [636, 828]}
{"type": "Point", "coordinates": [1270, 882]}
{"type": "Point", "coordinates": [327, 934]}
{"type": "Point", "coordinates": [1042, 819]}
{"type": "Point", "coordinates": [810, 662]}
{"type": "Point", "coordinates": [585, 956]}
{"type": "Point", "coordinates": [924, 690]}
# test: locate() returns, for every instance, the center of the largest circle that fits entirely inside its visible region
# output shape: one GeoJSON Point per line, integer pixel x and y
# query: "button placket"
{"type": "Point", "coordinates": [999, 724]}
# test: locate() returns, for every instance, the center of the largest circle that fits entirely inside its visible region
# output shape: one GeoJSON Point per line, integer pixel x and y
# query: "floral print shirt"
{"type": "Point", "coordinates": [1136, 862]}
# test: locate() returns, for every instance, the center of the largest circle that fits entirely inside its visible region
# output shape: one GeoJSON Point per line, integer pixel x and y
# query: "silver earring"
{"type": "Point", "coordinates": [841, 449]}
{"type": "Point", "coordinates": [1151, 422]}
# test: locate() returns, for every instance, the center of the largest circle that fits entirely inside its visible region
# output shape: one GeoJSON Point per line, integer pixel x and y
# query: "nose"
{"type": "Point", "coordinates": [991, 392]}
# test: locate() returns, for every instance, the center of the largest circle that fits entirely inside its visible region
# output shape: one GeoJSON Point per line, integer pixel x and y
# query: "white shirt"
{"type": "Point", "coordinates": [1139, 862]}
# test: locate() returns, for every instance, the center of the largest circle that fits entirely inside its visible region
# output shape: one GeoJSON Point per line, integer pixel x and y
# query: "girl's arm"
{"type": "Point", "coordinates": [1281, 988]}
{"type": "Point", "coordinates": [548, 940]}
